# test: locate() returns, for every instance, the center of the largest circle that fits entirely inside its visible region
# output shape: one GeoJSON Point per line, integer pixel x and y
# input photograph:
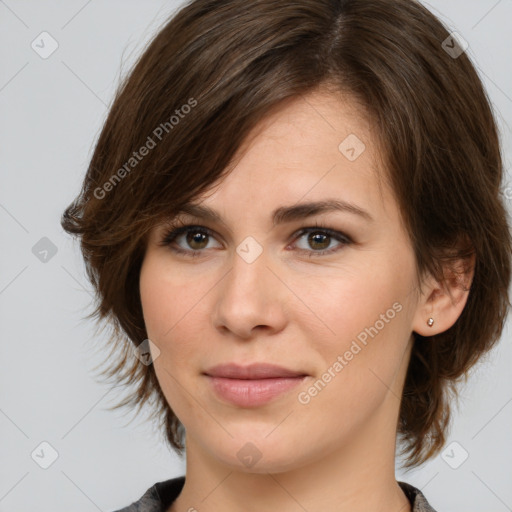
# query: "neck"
{"type": "Point", "coordinates": [355, 477]}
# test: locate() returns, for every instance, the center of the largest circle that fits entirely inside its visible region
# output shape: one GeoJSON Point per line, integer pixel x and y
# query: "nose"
{"type": "Point", "coordinates": [250, 298]}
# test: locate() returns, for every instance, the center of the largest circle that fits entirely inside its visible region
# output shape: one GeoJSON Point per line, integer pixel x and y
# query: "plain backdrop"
{"type": "Point", "coordinates": [51, 111]}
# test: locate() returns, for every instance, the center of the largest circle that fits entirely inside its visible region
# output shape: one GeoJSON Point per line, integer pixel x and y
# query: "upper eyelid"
{"type": "Point", "coordinates": [169, 227]}
{"type": "Point", "coordinates": [185, 227]}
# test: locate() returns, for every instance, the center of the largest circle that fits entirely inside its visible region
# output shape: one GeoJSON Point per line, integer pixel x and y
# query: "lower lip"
{"type": "Point", "coordinates": [252, 392]}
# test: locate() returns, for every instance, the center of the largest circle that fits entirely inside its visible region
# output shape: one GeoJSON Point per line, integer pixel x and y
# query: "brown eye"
{"type": "Point", "coordinates": [197, 239]}
{"type": "Point", "coordinates": [319, 240]}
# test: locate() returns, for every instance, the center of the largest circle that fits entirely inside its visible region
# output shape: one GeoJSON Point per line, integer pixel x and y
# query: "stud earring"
{"type": "Point", "coordinates": [430, 322]}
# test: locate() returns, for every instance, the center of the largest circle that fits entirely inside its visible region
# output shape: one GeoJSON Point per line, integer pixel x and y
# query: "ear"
{"type": "Point", "coordinates": [444, 301]}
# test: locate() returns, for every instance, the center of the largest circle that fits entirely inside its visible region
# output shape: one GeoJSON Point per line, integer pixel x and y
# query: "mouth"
{"type": "Point", "coordinates": [253, 385]}
{"type": "Point", "coordinates": [252, 371]}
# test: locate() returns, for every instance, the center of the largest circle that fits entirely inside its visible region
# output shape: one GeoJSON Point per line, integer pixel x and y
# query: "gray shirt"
{"type": "Point", "coordinates": [160, 496]}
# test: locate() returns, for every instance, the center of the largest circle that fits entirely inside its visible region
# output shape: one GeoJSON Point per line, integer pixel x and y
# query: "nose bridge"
{"type": "Point", "coordinates": [247, 297]}
{"type": "Point", "coordinates": [248, 277]}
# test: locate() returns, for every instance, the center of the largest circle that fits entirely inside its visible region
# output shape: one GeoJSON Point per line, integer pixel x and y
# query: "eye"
{"type": "Point", "coordinates": [321, 238]}
{"type": "Point", "coordinates": [197, 237]}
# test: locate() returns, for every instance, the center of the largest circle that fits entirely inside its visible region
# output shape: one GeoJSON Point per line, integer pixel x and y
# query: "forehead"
{"type": "Point", "coordinates": [309, 148]}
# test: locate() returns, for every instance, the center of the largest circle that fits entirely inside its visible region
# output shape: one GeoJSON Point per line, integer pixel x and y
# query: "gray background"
{"type": "Point", "coordinates": [51, 113]}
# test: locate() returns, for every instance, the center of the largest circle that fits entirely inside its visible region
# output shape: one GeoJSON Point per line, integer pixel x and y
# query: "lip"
{"type": "Point", "coordinates": [252, 371]}
{"type": "Point", "coordinates": [253, 385]}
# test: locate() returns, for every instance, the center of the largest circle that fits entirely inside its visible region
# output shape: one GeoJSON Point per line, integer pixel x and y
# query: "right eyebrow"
{"type": "Point", "coordinates": [283, 214]}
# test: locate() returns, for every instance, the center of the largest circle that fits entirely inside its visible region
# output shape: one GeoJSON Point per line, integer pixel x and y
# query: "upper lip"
{"type": "Point", "coordinates": [252, 371]}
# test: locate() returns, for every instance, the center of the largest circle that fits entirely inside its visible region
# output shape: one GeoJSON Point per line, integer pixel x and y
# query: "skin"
{"type": "Point", "coordinates": [336, 452]}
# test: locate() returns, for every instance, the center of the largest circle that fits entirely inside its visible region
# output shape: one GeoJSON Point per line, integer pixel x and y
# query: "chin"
{"type": "Point", "coordinates": [255, 454]}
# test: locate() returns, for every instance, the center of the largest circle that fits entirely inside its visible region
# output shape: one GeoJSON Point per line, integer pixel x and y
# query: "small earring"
{"type": "Point", "coordinates": [430, 322]}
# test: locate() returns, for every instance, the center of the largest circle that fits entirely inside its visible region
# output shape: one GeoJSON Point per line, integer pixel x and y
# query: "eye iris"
{"type": "Point", "coordinates": [196, 237]}
{"type": "Point", "coordinates": [198, 240]}
{"type": "Point", "coordinates": [314, 238]}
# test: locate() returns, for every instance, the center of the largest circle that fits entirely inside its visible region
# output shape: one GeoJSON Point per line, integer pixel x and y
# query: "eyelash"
{"type": "Point", "coordinates": [171, 235]}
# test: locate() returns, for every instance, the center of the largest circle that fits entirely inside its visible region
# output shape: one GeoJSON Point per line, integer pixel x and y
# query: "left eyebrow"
{"type": "Point", "coordinates": [284, 213]}
{"type": "Point", "coordinates": [304, 210]}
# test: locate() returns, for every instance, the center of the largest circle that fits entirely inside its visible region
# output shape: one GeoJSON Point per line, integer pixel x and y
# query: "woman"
{"type": "Point", "coordinates": [293, 213]}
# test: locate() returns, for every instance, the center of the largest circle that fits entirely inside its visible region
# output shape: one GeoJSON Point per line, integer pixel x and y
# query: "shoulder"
{"type": "Point", "coordinates": [158, 497]}
{"type": "Point", "coordinates": [416, 497]}
{"type": "Point", "coordinates": [149, 502]}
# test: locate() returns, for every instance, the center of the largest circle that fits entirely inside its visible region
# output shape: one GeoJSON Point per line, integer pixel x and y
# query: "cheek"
{"type": "Point", "coordinates": [167, 311]}
{"type": "Point", "coordinates": [366, 315]}
{"type": "Point", "coordinates": [175, 314]}
{"type": "Point", "coordinates": [165, 297]}
{"type": "Point", "coordinates": [347, 301]}
{"type": "Point", "coordinates": [154, 296]}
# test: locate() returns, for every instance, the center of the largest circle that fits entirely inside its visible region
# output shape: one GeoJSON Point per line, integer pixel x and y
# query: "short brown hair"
{"type": "Point", "coordinates": [205, 81]}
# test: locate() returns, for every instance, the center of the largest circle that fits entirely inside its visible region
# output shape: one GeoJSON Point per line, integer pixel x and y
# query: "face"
{"type": "Point", "coordinates": [328, 296]}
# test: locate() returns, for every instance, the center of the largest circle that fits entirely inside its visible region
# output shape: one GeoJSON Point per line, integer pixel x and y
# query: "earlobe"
{"type": "Point", "coordinates": [441, 304]}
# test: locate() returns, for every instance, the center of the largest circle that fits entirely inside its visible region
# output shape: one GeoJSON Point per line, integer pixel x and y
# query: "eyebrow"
{"type": "Point", "coordinates": [284, 213]}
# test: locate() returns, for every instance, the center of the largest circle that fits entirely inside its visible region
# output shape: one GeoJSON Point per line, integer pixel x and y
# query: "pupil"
{"type": "Point", "coordinates": [313, 238]}
{"type": "Point", "coordinates": [194, 238]}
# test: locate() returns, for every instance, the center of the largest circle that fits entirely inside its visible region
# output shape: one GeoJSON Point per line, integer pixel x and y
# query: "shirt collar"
{"type": "Point", "coordinates": [160, 496]}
